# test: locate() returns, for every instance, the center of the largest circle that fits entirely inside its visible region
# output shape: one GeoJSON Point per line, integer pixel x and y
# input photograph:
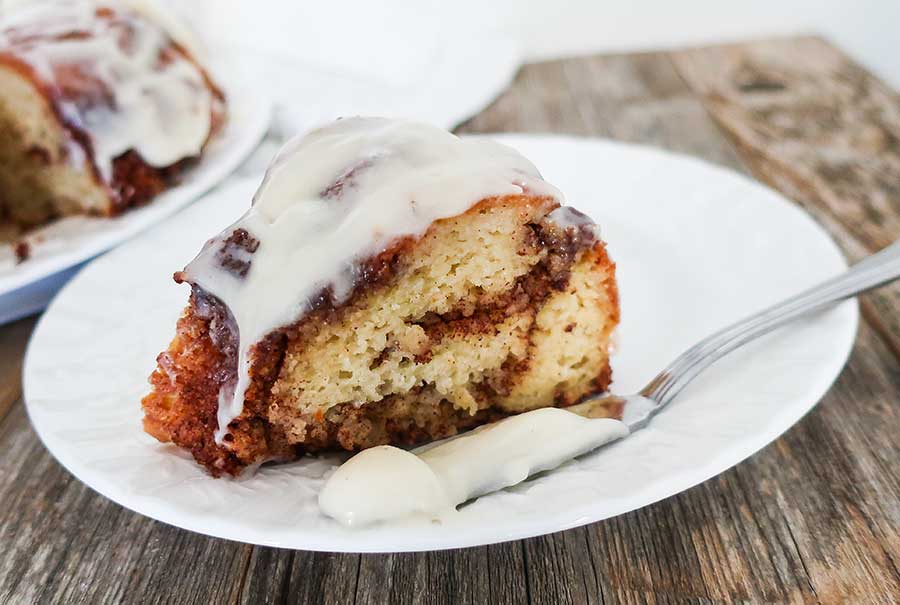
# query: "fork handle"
{"type": "Point", "coordinates": [872, 272]}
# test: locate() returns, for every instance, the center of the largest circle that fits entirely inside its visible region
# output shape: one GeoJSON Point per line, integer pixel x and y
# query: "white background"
{"type": "Point", "coordinates": [394, 40]}
{"type": "Point", "coordinates": [394, 37]}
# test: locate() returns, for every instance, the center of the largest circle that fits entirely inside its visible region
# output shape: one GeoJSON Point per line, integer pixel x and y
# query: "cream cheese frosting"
{"type": "Point", "coordinates": [333, 198]}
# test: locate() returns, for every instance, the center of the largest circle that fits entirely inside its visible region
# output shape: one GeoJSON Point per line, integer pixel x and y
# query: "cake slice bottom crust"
{"type": "Point", "coordinates": [491, 313]}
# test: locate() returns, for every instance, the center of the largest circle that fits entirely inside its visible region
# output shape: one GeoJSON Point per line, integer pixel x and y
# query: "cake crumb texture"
{"type": "Point", "coordinates": [490, 313]}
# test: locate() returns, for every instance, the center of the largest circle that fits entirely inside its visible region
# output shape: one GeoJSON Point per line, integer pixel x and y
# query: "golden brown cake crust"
{"type": "Point", "coordinates": [183, 404]}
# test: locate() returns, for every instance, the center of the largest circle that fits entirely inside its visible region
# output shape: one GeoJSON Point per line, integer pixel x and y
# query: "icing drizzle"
{"type": "Point", "coordinates": [331, 200]}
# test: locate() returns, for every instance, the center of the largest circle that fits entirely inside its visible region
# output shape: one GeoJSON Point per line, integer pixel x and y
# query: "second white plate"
{"type": "Point", "coordinates": [697, 247]}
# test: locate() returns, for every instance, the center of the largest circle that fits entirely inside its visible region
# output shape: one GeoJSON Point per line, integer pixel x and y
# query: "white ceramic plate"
{"type": "Point", "coordinates": [56, 248]}
{"type": "Point", "coordinates": [697, 247]}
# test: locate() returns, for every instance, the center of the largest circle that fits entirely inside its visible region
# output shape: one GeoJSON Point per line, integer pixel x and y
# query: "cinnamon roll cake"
{"type": "Point", "coordinates": [101, 108]}
{"type": "Point", "coordinates": [391, 283]}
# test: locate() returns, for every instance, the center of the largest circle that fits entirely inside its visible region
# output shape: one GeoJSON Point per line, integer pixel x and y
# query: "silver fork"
{"type": "Point", "coordinates": [637, 410]}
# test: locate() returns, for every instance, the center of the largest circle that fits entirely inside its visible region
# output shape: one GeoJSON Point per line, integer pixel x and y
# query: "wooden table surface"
{"type": "Point", "coordinates": [814, 517]}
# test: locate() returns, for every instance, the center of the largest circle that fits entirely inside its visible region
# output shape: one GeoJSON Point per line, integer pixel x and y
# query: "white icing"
{"type": "Point", "coordinates": [570, 218]}
{"type": "Point", "coordinates": [398, 177]}
{"type": "Point", "coordinates": [161, 111]}
{"type": "Point", "coordinates": [387, 483]}
{"type": "Point", "coordinates": [402, 484]}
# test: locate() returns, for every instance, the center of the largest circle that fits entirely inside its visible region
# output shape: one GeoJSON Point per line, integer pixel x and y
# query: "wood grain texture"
{"type": "Point", "coordinates": [63, 543]}
{"type": "Point", "coordinates": [13, 339]}
{"type": "Point", "coordinates": [813, 518]}
{"type": "Point", "coordinates": [814, 124]}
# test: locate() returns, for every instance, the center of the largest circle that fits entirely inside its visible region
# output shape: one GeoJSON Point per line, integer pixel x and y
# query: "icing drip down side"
{"type": "Point", "coordinates": [329, 202]}
{"type": "Point", "coordinates": [114, 73]}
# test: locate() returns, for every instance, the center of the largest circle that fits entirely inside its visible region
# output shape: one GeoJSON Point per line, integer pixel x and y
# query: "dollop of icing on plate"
{"type": "Point", "coordinates": [365, 489]}
{"type": "Point", "coordinates": [331, 199]}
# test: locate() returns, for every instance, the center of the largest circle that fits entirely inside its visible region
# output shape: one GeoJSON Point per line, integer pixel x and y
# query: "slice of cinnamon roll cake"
{"type": "Point", "coordinates": [391, 283]}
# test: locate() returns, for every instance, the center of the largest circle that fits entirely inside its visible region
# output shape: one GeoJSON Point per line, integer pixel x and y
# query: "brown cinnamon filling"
{"type": "Point", "coordinates": [234, 254]}
{"type": "Point", "coordinates": [346, 180]}
{"type": "Point", "coordinates": [346, 424]}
